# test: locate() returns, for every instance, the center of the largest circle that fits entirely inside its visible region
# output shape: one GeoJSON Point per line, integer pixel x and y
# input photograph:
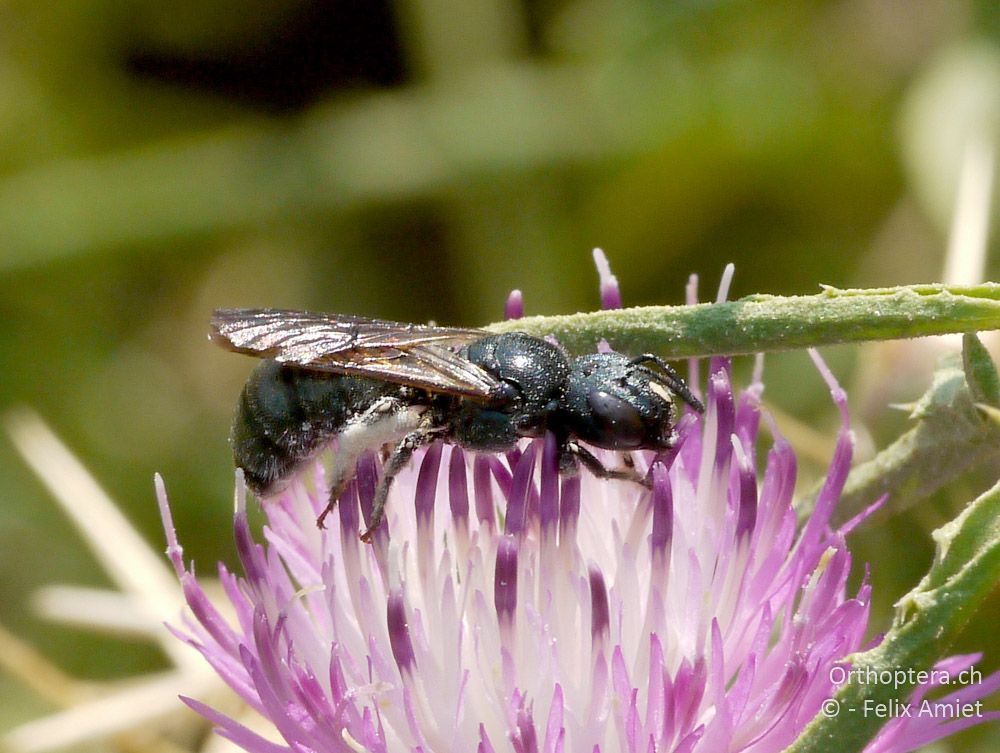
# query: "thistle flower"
{"type": "Point", "coordinates": [503, 607]}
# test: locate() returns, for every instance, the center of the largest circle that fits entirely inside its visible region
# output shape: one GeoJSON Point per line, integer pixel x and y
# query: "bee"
{"type": "Point", "coordinates": [371, 384]}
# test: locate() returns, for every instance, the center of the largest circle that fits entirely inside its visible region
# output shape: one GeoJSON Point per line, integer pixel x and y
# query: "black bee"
{"type": "Point", "coordinates": [369, 383]}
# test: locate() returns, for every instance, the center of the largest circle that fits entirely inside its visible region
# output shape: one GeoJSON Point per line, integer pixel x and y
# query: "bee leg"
{"type": "Point", "coordinates": [398, 459]}
{"type": "Point", "coordinates": [353, 443]}
{"type": "Point", "coordinates": [595, 466]}
{"type": "Point", "coordinates": [336, 489]}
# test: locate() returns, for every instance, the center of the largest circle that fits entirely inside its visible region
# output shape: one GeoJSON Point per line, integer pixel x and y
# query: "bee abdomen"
{"type": "Point", "coordinates": [287, 414]}
{"type": "Point", "coordinates": [284, 416]}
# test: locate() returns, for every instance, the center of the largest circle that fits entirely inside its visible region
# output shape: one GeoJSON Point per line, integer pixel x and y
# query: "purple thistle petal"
{"type": "Point", "coordinates": [525, 740]}
{"type": "Point", "coordinates": [720, 396]}
{"type": "Point", "coordinates": [739, 695]}
{"type": "Point", "coordinates": [611, 297]}
{"type": "Point", "coordinates": [624, 696]}
{"type": "Point", "coordinates": [207, 615]}
{"type": "Point", "coordinates": [505, 580]}
{"type": "Point", "coordinates": [366, 482]}
{"type": "Point", "coordinates": [930, 723]}
{"type": "Point", "coordinates": [485, 746]}
{"type": "Point", "coordinates": [412, 718]}
{"type": "Point", "coordinates": [688, 743]}
{"type": "Point", "coordinates": [275, 701]}
{"type": "Point", "coordinates": [349, 504]}
{"type": "Point", "coordinates": [251, 553]}
{"type": "Point", "coordinates": [839, 466]}
{"type": "Point", "coordinates": [655, 689]}
{"type": "Point", "coordinates": [862, 516]}
{"type": "Point", "coordinates": [458, 488]}
{"type": "Point", "coordinates": [555, 733]}
{"type": "Point", "coordinates": [514, 308]}
{"type": "Point", "coordinates": [344, 712]}
{"type": "Point", "coordinates": [689, 688]}
{"type": "Point", "coordinates": [517, 506]}
{"type": "Point", "coordinates": [747, 516]}
{"type": "Point", "coordinates": [569, 508]}
{"type": "Point", "coordinates": [599, 615]}
{"type": "Point", "coordinates": [512, 456]}
{"type": "Point", "coordinates": [233, 730]}
{"type": "Point", "coordinates": [482, 479]}
{"type": "Point", "coordinates": [748, 415]}
{"type": "Point", "coordinates": [720, 731]}
{"type": "Point", "coordinates": [548, 502]}
{"type": "Point", "coordinates": [663, 517]}
{"type": "Point", "coordinates": [426, 491]}
{"type": "Point", "coordinates": [600, 687]}
{"type": "Point", "coordinates": [503, 476]}
{"type": "Point", "coordinates": [175, 553]}
{"type": "Point", "coordinates": [399, 632]}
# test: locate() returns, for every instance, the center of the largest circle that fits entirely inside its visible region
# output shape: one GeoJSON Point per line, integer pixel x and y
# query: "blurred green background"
{"type": "Point", "coordinates": [417, 160]}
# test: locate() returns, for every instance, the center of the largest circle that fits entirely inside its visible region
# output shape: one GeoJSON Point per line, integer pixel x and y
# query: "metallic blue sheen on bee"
{"type": "Point", "coordinates": [370, 383]}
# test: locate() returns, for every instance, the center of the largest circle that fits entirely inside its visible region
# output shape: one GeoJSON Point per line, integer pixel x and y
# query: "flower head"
{"type": "Point", "coordinates": [504, 607]}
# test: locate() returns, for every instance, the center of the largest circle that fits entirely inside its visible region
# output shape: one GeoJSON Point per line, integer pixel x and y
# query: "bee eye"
{"type": "Point", "coordinates": [619, 422]}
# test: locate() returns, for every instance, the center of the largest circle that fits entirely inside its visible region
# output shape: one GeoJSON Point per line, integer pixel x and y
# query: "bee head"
{"type": "Point", "coordinates": [614, 403]}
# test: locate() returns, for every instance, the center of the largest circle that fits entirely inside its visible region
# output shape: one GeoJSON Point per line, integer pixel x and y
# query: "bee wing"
{"type": "Point", "coordinates": [417, 355]}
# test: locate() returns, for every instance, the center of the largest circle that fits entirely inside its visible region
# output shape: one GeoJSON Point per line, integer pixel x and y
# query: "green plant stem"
{"type": "Point", "coordinates": [965, 571]}
{"type": "Point", "coordinates": [762, 323]}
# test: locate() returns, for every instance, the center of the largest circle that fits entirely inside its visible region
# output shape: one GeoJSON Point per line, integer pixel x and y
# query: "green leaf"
{"type": "Point", "coordinates": [980, 371]}
{"type": "Point", "coordinates": [965, 571]}
{"type": "Point", "coordinates": [955, 431]}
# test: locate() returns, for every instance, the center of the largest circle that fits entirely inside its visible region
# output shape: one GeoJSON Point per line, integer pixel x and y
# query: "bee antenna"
{"type": "Point", "coordinates": [670, 378]}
